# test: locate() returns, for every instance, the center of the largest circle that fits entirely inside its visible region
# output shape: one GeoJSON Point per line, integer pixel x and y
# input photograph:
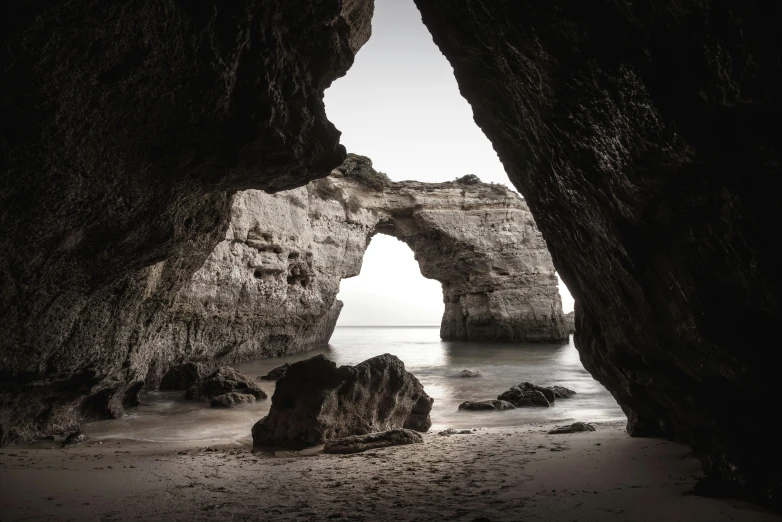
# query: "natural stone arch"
{"type": "Point", "coordinates": [270, 287]}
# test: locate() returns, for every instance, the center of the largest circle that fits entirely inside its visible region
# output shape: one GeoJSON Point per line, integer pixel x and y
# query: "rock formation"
{"type": "Point", "coordinates": [317, 401]}
{"type": "Point", "coordinates": [645, 137]}
{"type": "Point", "coordinates": [126, 128]}
{"type": "Point", "coordinates": [270, 287]}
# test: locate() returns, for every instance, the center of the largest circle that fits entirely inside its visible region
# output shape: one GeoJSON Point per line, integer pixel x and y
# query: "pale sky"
{"type": "Point", "coordinates": [400, 105]}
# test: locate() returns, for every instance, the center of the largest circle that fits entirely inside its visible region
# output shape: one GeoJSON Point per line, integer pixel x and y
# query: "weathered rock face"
{"type": "Point", "coordinates": [645, 137]}
{"type": "Point", "coordinates": [126, 127]}
{"type": "Point", "coordinates": [317, 401]}
{"type": "Point", "coordinates": [270, 287]}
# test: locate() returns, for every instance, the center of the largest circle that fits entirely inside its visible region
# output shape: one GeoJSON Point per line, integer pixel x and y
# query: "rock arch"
{"type": "Point", "coordinates": [269, 288]}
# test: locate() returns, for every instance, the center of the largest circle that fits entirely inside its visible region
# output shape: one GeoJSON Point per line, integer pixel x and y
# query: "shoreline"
{"type": "Point", "coordinates": [499, 474]}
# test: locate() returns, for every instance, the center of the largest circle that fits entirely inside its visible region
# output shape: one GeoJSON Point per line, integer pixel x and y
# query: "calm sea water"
{"type": "Point", "coordinates": [166, 416]}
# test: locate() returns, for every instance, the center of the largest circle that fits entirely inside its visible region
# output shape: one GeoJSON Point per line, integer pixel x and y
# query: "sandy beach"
{"type": "Point", "coordinates": [492, 474]}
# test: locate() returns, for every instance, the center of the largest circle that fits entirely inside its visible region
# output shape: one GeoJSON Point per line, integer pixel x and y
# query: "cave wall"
{"type": "Point", "coordinates": [270, 287]}
{"type": "Point", "coordinates": [126, 127]}
{"type": "Point", "coordinates": [645, 137]}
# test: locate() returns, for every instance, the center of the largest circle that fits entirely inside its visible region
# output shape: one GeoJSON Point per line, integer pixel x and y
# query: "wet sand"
{"type": "Point", "coordinates": [493, 474]}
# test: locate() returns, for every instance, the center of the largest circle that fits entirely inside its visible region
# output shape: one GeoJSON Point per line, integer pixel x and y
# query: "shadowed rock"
{"type": "Point", "coordinates": [222, 381]}
{"type": "Point", "coordinates": [232, 400]}
{"type": "Point", "coordinates": [275, 374]}
{"type": "Point", "coordinates": [384, 439]}
{"type": "Point", "coordinates": [495, 405]}
{"type": "Point", "coordinates": [573, 428]}
{"type": "Point", "coordinates": [183, 376]}
{"type": "Point", "coordinates": [317, 401]}
{"type": "Point", "coordinates": [74, 438]}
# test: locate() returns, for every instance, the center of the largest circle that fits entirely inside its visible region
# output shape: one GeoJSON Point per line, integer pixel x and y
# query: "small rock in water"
{"type": "Point", "coordinates": [573, 428]}
{"type": "Point", "coordinates": [468, 373]}
{"type": "Point", "coordinates": [276, 374]}
{"type": "Point", "coordinates": [77, 437]}
{"type": "Point", "coordinates": [495, 405]}
{"type": "Point", "coordinates": [521, 396]}
{"type": "Point", "coordinates": [560, 392]}
{"type": "Point", "coordinates": [232, 400]}
{"type": "Point", "coordinates": [384, 439]}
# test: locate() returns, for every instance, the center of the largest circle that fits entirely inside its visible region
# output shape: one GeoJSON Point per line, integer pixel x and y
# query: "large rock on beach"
{"type": "Point", "coordinates": [222, 381]}
{"type": "Point", "coordinates": [384, 439]}
{"type": "Point", "coordinates": [317, 401]}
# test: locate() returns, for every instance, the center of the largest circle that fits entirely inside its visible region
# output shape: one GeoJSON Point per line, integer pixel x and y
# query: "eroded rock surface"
{"type": "Point", "coordinates": [317, 401]}
{"type": "Point", "coordinates": [270, 287]}
{"type": "Point", "coordinates": [645, 137]}
{"type": "Point", "coordinates": [126, 128]}
{"type": "Point", "coordinates": [385, 439]}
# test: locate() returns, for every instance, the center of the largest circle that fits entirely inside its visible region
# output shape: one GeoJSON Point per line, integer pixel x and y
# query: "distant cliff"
{"type": "Point", "coordinates": [270, 287]}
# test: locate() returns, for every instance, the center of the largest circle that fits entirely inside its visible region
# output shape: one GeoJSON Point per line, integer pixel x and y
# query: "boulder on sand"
{"type": "Point", "coordinates": [468, 374]}
{"type": "Point", "coordinates": [223, 380]}
{"type": "Point", "coordinates": [495, 405]}
{"type": "Point", "coordinates": [232, 400]}
{"type": "Point", "coordinates": [317, 401]}
{"type": "Point", "coordinates": [384, 439]}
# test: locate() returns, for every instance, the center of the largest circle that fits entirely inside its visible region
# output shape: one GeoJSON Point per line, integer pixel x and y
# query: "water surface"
{"type": "Point", "coordinates": [166, 416]}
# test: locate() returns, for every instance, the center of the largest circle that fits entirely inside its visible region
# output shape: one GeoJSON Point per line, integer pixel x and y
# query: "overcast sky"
{"type": "Point", "coordinates": [399, 105]}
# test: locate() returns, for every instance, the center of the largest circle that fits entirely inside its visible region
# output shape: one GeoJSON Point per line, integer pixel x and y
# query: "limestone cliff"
{"type": "Point", "coordinates": [269, 288]}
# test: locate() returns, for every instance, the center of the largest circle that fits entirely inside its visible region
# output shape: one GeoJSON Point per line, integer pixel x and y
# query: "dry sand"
{"type": "Point", "coordinates": [492, 474]}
